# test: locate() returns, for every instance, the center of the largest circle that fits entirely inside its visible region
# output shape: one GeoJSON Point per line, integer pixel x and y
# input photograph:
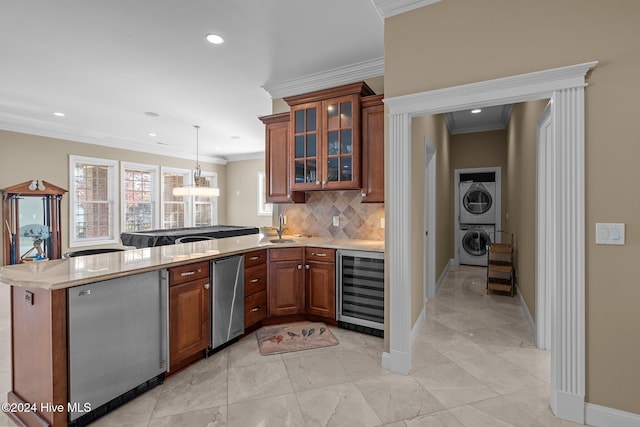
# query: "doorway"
{"type": "Point", "coordinates": [565, 87]}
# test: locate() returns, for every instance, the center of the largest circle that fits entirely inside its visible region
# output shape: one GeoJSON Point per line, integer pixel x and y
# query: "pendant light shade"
{"type": "Point", "coordinates": [200, 186]}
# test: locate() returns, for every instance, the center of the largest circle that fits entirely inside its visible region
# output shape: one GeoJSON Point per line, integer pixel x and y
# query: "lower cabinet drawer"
{"type": "Point", "coordinates": [255, 279]}
{"type": "Point", "coordinates": [255, 308]}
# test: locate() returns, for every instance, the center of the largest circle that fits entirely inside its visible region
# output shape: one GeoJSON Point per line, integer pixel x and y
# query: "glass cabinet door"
{"type": "Point", "coordinates": [340, 148]}
{"type": "Point", "coordinates": [305, 148]}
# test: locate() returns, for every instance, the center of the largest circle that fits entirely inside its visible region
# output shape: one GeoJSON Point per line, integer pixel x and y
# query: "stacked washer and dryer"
{"type": "Point", "coordinates": [478, 215]}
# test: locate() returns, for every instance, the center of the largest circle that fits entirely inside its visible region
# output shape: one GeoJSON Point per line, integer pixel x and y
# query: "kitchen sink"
{"type": "Point", "coordinates": [282, 241]}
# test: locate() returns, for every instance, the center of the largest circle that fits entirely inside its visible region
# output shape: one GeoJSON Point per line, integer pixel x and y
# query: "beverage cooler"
{"type": "Point", "coordinates": [360, 279]}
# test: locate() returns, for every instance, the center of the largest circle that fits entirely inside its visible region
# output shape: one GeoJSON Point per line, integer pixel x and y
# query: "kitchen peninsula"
{"type": "Point", "coordinates": [40, 308]}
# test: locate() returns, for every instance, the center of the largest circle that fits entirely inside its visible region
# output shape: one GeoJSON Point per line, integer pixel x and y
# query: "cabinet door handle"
{"type": "Point", "coordinates": [324, 182]}
{"type": "Point", "coordinates": [255, 280]}
{"type": "Point", "coordinates": [299, 267]}
{"type": "Point", "coordinates": [190, 273]}
{"type": "Point", "coordinates": [317, 182]}
{"type": "Point", "coordinates": [253, 258]}
{"type": "Point", "coordinates": [206, 286]}
{"type": "Point", "coordinates": [364, 194]}
{"type": "Point", "coordinates": [307, 266]}
{"type": "Point", "coordinates": [288, 196]}
{"type": "Point", "coordinates": [318, 254]}
{"type": "Point", "coordinates": [254, 309]}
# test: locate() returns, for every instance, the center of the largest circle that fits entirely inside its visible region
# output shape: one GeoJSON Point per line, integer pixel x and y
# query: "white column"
{"type": "Point", "coordinates": [568, 315]}
{"type": "Point", "coordinates": [398, 243]}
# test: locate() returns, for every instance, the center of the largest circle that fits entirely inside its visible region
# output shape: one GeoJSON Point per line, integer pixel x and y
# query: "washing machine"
{"type": "Point", "coordinates": [474, 239]}
{"type": "Point", "coordinates": [477, 202]}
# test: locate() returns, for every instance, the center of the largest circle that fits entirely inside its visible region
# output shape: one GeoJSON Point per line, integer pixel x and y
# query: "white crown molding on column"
{"type": "Point", "coordinates": [326, 79]}
{"type": "Point", "coordinates": [389, 8]}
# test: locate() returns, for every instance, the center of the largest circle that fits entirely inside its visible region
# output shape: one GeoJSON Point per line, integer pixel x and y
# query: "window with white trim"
{"type": "Point", "coordinates": [139, 196]}
{"type": "Point", "coordinates": [264, 208]}
{"type": "Point", "coordinates": [175, 209]}
{"type": "Point", "coordinates": [93, 204]}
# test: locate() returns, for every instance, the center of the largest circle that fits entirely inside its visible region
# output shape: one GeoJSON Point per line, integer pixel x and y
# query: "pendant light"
{"type": "Point", "coordinates": [200, 186]}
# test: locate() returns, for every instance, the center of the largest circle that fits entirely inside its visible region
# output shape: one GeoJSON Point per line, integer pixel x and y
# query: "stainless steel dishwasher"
{"type": "Point", "coordinates": [227, 300]}
{"type": "Point", "coordinates": [117, 342]}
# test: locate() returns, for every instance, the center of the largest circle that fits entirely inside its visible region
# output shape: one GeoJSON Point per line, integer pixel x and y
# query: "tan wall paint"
{"type": "Point", "coordinates": [434, 128]}
{"type": "Point", "coordinates": [521, 195]}
{"type": "Point", "coordinates": [48, 159]}
{"type": "Point", "coordinates": [449, 43]}
{"type": "Point", "coordinates": [242, 193]}
{"type": "Point", "coordinates": [481, 150]}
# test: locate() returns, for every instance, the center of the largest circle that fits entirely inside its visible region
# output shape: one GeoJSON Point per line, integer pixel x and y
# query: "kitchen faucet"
{"type": "Point", "coordinates": [280, 223]}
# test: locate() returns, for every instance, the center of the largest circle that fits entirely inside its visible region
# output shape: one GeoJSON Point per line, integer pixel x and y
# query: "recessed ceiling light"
{"type": "Point", "coordinates": [215, 39]}
{"type": "Point", "coordinates": [476, 111]}
{"type": "Point", "coordinates": [58, 114]}
{"type": "Point", "coordinates": [236, 137]}
{"type": "Point", "coordinates": [153, 134]}
{"type": "Point", "coordinates": [151, 114]}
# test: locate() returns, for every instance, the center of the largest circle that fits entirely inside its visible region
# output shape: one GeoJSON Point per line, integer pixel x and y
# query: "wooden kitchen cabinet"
{"type": "Point", "coordinates": [189, 308]}
{"type": "Point", "coordinates": [276, 160]}
{"type": "Point", "coordinates": [373, 149]}
{"type": "Point", "coordinates": [320, 282]}
{"type": "Point", "coordinates": [285, 289]}
{"type": "Point", "coordinates": [255, 287]}
{"type": "Point", "coordinates": [325, 138]}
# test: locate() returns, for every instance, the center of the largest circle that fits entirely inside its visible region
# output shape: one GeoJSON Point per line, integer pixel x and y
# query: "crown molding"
{"type": "Point", "coordinates": [35, 127]}
{"type": "Point", "coordinates": [389, 8]}
{"type": "Point", "coordinates": [326, 79]}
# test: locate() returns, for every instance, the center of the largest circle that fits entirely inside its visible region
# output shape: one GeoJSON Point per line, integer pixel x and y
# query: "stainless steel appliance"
{"type": "Point", "coordinates": [117, 342]}
{"type": "Point", "coordinates": [227, 300]}
{"type": "Point", "coordinates": [360, 278]}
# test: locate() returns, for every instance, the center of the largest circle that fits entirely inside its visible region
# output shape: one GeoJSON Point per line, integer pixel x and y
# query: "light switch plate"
{"type": "Point", "coordinates": [381, 222]}
{"type": "Point", "coordinates": [336, 221]}
{"type": "Point", "coordinates": [609, 234]}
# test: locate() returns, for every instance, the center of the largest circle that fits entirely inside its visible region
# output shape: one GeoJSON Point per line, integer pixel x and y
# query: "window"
{"type": "Point", "coordinates": [139, 197]}
{"type": "Point", "coordinates": [92, 202]}
{"type": "Point", "coordinates": [206, 208]}
{"type": "Point", "coordinates": [264, 209]}
{"type": "Point", "coordinates": [174, 208]}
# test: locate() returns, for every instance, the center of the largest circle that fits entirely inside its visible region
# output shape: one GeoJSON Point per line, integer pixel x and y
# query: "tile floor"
{"type": "Point", "coordinates": [474, 364]}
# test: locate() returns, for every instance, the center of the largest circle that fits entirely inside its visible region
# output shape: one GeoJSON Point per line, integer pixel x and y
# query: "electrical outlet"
{"type": "Point", "coordinates": [336, 221]}
{"type": "Point", "coordinates": [381, 222]}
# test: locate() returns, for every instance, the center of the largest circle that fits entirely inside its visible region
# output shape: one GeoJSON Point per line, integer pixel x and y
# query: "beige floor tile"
{"type": "Point", "coordinates": [316, 370]}
{"type": "Point", "coordinates": [258, 381]}
{"type": "Point", "coordinates": [4, 419]}
{"type": "Point", "coordinates": [278, 411]}
{"type": "Point", "coordinates": [498, 374]}
{"type": "Point", "coordinates": [533, 360]}
{"type": "Point", "coordinates": [245, 353]}
{"type": "Point", "coordinates": [436, 419]}
{"type": "Point", "coordinates": [472, 417]}
{"type": "Point", "coordinates": [455, 346]}
{"type": "Point", "coordinates": [495, 339]}
{"type": "Point", "coordinates": [535, 402]}
{"type": "Point", "coordinates": [361, 365]}
{"type": "Point", "coordinates": [502, 410]}
{"type": "Point", "coordinates": [138, 410]}
{"type": "Point", "coordinates": [395, 397]}
{"type": "Point", "coordinates": [203, 386]}
{"type": "Point", "coordinates": [460, 321]}
{"type": "Point", "coordinates": [214, 417]}
{"type": "Point", "coordinates": [453, 386]}
{"type": "Point", "coordinates": [337, 406]}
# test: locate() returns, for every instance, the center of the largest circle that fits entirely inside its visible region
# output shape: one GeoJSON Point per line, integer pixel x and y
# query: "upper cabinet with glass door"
{"type": "Point", "coordinates": [325, 136]}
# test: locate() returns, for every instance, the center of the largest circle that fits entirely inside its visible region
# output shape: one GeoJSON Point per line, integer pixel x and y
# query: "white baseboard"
{"type": "Point", "coordinates": [527, 314]}
{"type": "Point", "coordinates": [601, 416]}
{"type": "Point", "coordinates": [396, 361]}
{"type": "Point", "coordinates": [418, 325]}
{"type": "Point", "coordinates": [444, 274]}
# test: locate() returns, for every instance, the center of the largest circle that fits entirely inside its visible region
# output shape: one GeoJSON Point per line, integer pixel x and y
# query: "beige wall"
{"type": "Point", "coordinates": [435, 129]}
{"type": "Point", "coordinates": [242, 193]}
{"type": "Point", "coordinates": [521, 199]}
{"type": "Point", "coordinates": [449, 43]}
{"type": "Point", "coordinates": [26, 157]}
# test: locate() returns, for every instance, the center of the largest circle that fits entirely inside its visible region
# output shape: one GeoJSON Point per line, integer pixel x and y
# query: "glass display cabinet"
{"type": "Point", "coordinates": [31, 222]}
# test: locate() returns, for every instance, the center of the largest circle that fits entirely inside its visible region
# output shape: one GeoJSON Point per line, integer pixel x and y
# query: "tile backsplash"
{"type": "Point", "coordinates": [357, 220]}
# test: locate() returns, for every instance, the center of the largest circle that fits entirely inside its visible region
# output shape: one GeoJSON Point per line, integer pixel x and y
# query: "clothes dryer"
{"type": "Point", "coordinates": [474, 239]}
{"type": "Point", "coordinates": [477, 202]}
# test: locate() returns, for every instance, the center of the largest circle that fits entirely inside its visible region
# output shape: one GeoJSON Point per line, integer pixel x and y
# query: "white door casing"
{"type": "Point", "coordinates": [565, 87]}
{"type": "Point", "coordinates": [429, 221]}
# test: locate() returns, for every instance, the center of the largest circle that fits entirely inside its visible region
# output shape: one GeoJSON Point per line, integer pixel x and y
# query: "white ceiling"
{"type": "Point", "coordinates": [489, 118]}
{"type": "Point", "coordinates": [105, 63]}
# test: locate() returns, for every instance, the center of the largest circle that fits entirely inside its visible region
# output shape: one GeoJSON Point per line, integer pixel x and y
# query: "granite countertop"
{"type": "Point", "coordinates": [65, 273]}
